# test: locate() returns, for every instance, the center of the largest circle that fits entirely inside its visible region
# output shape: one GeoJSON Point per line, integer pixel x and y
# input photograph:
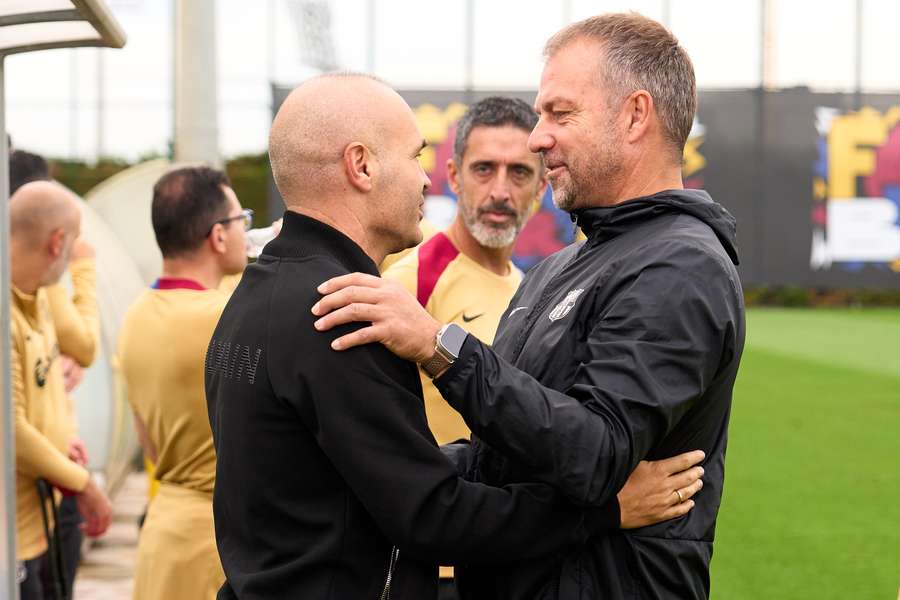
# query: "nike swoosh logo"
{"type": "Point", "coordinates": [468, 319]}
{"type": "Point", "coordinates": [515, 310]}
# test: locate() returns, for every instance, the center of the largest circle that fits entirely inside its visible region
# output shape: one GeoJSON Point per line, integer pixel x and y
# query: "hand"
{"type": "Point", "coordinates": [82, 249]}
{"type": "Point", "coordinates": [398, 320]}
{"type": "Point", "coordinates": [657, 491]}
{"type": "Point", "coordinates": [94, 506]}
{"type": "Point", "coordinates": [78, 451]}
{"type": "Point", "coordinates": [276, 226]}
{"type": "Point", "coordinates": [73, 373]}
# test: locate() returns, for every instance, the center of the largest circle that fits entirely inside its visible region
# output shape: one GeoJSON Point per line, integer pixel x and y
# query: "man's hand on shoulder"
{"type": "Point", "coordinates": [397, 319]}
{"type": "Point", "coordinates": [657, 491]}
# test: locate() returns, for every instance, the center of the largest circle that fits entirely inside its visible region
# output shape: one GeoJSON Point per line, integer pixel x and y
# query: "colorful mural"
{"type": "Point", "coordinates": [856, 190]}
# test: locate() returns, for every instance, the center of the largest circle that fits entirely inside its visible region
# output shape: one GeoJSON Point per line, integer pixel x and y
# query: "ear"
{"type": "Point", "coordinates": [359, 165]}
{"type": "Point", "coordinates": [640, 110]}
{"type": "Point", "coordinates": [453, 176]}
{"type": "Point", "coordinates": [56, 242]}
{"type": "Point", "coordinates": [216, 239]}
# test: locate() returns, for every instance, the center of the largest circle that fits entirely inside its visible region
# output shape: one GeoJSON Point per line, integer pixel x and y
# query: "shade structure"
{"type": "Point", "coordinates": [27, 26]}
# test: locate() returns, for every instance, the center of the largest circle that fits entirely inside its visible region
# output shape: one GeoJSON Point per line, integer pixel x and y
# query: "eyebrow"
{"type": "Point", "coordinates": [511, 165]}
{"type": "Point", "coordinates": [553, 100]}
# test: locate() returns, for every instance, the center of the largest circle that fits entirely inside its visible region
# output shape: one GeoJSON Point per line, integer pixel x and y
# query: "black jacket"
{"type": "Point", "coordinates": [622, 348]}
{"type": "Point", "coordinates": [325, 459]}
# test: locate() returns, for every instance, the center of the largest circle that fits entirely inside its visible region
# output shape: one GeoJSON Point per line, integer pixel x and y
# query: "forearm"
{"type": "Point", "coordinates": [584, 454]}
{"type": "Point", "coordinates": [460, 454]}
{"type": "Point", "coordinates": [75, 319]}
{"type": "Point", "coordinates": [37, 457]}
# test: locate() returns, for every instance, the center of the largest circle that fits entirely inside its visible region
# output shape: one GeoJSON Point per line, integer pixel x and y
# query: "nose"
{"type": "Point", "coordinates": [426, 184]}
{"type": "Point", "coordinates": [500, 191]}
{"type": "Point", "coordinates": [540, 139]}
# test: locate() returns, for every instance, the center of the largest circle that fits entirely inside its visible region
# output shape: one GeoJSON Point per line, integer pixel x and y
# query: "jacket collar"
{"type": "Point", "coordinates": [303, 236]}
{"type": "Point", "coordinates": [603, 223]}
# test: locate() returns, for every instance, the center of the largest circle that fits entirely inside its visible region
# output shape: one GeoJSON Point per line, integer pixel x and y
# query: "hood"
{"type": "Point", "coordinates": [603, 223]}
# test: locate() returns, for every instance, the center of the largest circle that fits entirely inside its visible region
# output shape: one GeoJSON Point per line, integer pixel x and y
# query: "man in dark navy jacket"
{"type": "Point", "coordinates": [623, 348]}
{"type": "Point", "coordinates": [329, 484]}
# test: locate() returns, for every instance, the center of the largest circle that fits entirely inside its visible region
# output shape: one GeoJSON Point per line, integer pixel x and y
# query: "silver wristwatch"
{"type": "Point", "coordinates": [447, 347]}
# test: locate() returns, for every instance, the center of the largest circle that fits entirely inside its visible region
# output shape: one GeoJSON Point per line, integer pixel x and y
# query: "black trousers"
{"type": "Point", "coordinates": [447, 590]}
{"type": "Point", "coordinates": [32, 588]}
{"type": "Point", "coordinates": [71, 537]}
{"type": "Point", "coordinates": [38, 583]}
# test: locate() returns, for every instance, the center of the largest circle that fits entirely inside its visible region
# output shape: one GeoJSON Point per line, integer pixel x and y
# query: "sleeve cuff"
{"type": "Point", "coordinates": [466, 357]}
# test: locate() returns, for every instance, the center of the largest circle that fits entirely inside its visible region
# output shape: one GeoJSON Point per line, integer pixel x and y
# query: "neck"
{"type": "Point", "coordinates": [646, 178]}
{"type": "Point", "coordinates": [495, 260]}
{"type": "Point", "coordinates": [205, 272]}
{"type": "Point", "coordinates": [347, 223]}
{"type": "Point", "coordinates": [25, 274]}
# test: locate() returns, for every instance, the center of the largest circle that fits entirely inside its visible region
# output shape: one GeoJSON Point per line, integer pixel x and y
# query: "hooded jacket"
{"type": "Point", "coordinates": [620, 349]}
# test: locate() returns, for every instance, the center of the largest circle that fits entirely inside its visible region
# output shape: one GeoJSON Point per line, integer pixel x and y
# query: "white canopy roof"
{"type": "Point", "coordinates": [27, 25]}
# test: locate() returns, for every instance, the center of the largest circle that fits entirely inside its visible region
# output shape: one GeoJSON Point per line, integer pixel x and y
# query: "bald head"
{"type": "Point", "coordinates": [39, 208]}
{"type": "Point", "coordinates": [317, 122]}
{"type": "Point", "coordinates": [44, 220]}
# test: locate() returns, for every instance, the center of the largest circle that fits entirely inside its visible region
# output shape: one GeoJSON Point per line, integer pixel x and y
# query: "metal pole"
{"type": "Point", "coordinates": [766, 54]}
{"type": "Point", "coordinates": [470, 49]}
{"type": "Point", "coordinates": [271, 7]}
{"type": "Point", "coordinates": [101, 104]}
{"type": "Point", "coordinates": [858, 66]}
{"type": "Point", "coordinates": [758, 251]}
{"type": "Point", "coordinates": [73, 103]}
{"type": "Point", "coordinates": [370, 38]}
{"type": "Point", "coordinates": [8, 586]}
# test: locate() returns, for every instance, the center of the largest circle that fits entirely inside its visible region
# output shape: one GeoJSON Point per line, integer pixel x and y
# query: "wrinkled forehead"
{"type": "Point", "coordinates": [570, 73]}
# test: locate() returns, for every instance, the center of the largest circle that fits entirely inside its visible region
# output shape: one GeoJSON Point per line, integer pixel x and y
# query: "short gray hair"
{"type": "Point", "coordinates": [493, 111]}
{"type": "Point", "coordinates": [641, 54]}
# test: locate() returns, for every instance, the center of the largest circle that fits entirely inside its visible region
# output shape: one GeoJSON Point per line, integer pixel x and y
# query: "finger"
{"type": "Point", "coordinates": [682, 461]}
{"type": "Point", "coordinates": [338, 283]}
{"type": "Point", "coordinates": [343, 297]}
{"type": "Point", "coordinates": [366, 335]}
{"type": "Point", "coordinates": [685, 478]}
{"type": "Point", "coordinates": [89, 527]}
{"type": "Point", "coordinates": [689, 491]}
{"type": "Point", "coordinates": [677, 510]}
{"type": "Point", "coordinates": [352, 313]}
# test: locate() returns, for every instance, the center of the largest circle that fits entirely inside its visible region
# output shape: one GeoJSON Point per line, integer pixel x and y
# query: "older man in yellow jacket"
{"type": "Point", "coordinates": [44, 222]}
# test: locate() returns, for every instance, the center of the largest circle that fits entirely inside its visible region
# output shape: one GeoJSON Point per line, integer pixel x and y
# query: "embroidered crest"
{"type": "Point", "coordinates": [563, 308]}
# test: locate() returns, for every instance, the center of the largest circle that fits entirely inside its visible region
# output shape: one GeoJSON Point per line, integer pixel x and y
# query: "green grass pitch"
{"type": "Point", "coordinates": [812, 489]}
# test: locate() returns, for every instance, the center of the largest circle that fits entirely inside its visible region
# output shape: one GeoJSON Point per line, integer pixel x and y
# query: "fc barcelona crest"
{"type": "Point", "coordinates": [563, 308]}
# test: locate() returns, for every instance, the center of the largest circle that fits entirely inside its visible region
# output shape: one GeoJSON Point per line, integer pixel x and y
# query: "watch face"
{"type": "Point", "coordinates": [452, 339]}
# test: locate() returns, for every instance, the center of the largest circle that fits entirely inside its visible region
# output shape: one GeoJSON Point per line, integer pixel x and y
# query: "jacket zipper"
{"type": "Point", "coordinates": [392, 566]}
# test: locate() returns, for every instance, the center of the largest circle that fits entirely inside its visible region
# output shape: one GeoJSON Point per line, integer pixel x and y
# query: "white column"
{"type": "Point", "coordinates": [196, 109]}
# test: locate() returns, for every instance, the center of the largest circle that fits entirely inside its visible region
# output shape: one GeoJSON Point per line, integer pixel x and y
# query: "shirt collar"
{"type": "Point", "coordinates": [302, 236]}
